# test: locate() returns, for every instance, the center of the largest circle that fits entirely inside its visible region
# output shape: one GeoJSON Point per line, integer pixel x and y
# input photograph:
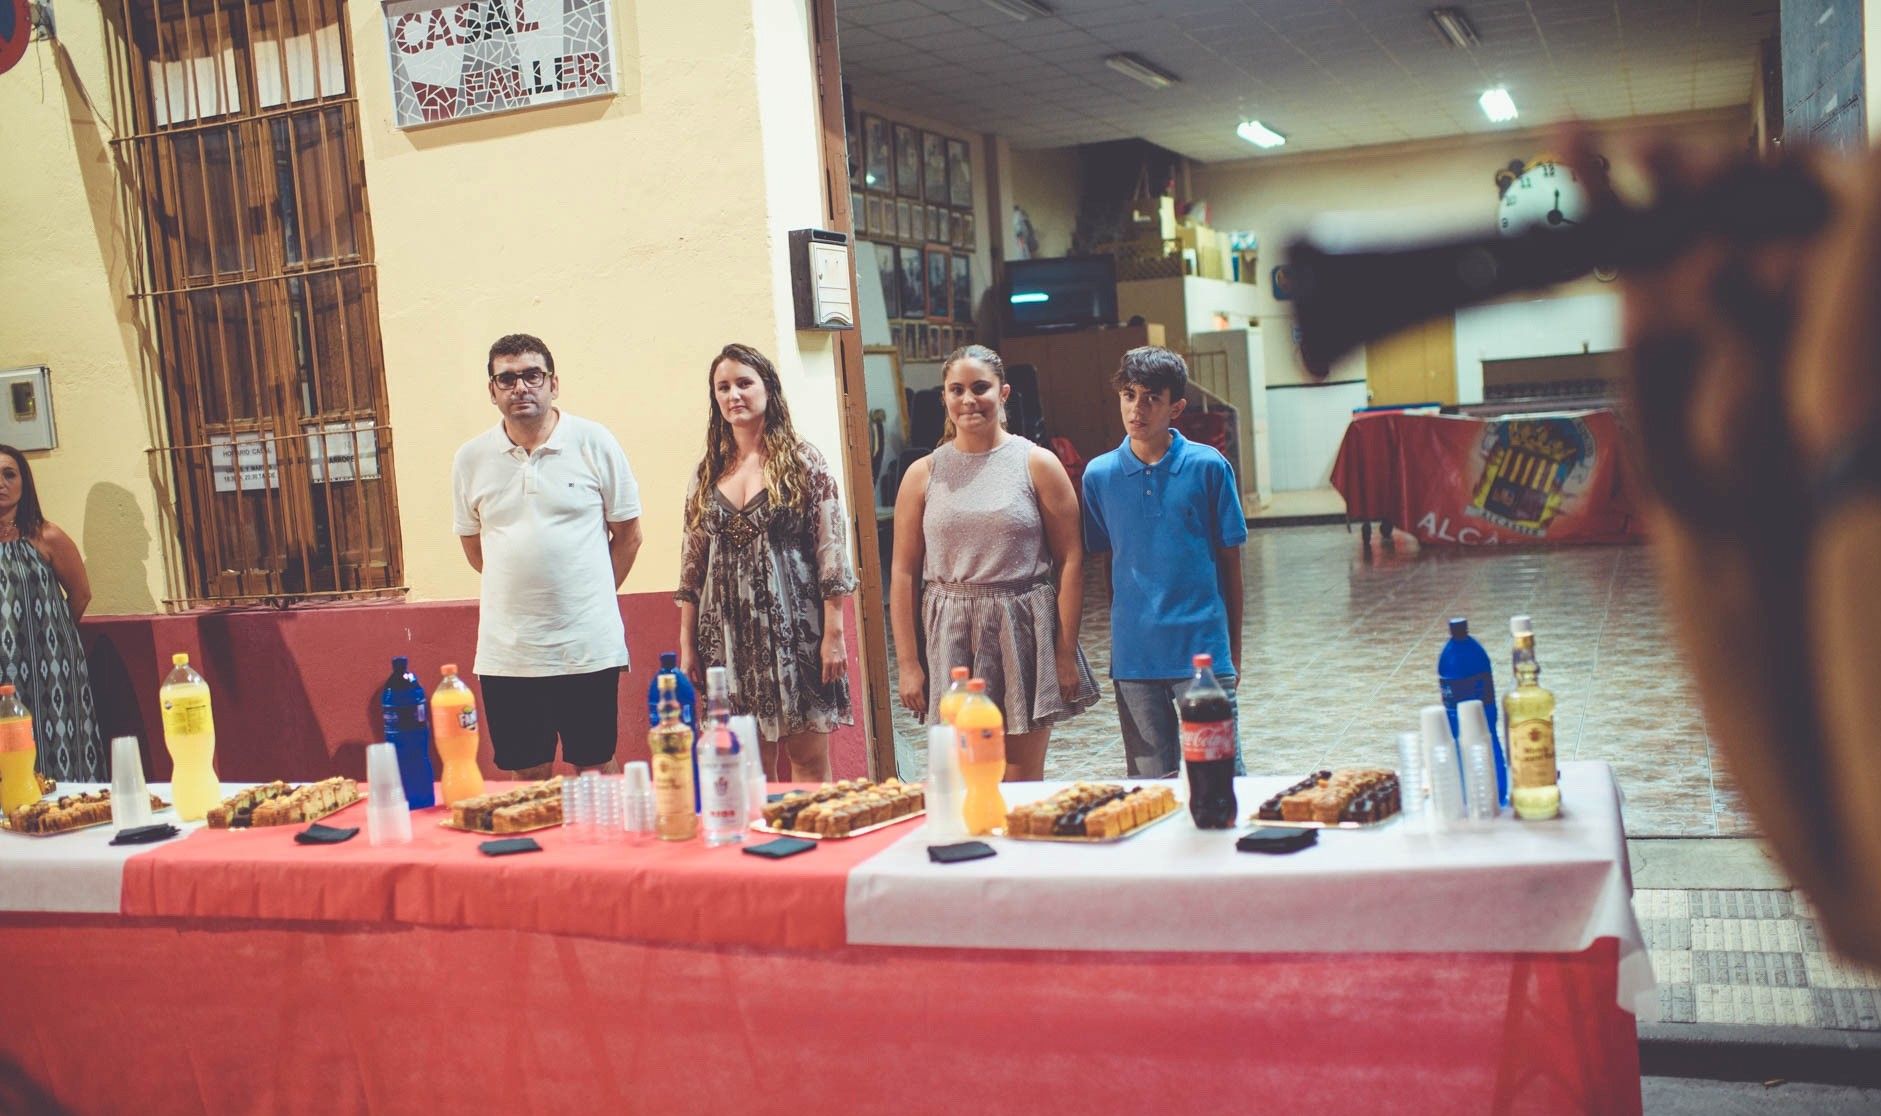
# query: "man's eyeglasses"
{"type": "Point", "coordinates": [508, 380]}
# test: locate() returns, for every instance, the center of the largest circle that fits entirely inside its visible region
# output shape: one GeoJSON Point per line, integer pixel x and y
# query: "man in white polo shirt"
{"type": "Point", "coordinates": [548, 512]}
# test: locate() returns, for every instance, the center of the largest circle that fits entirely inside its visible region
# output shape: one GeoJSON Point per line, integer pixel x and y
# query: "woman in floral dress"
{"type": "Point", "coordinates": [765, 568]}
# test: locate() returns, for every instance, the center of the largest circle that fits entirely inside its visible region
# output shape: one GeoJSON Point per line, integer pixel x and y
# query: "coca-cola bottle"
{"type": "Point", "coordinates": [1208, 748]}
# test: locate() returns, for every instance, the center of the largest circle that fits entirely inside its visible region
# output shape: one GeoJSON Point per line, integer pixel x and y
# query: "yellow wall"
{"type": "Point", "coordinates": [64, 303]}
{"type": "Point", "coordinates": [1409, 191]}
{"type": "Point", "coordinates": [1045, 183]}
{"type": "Point", "coordinates": [634, 234]}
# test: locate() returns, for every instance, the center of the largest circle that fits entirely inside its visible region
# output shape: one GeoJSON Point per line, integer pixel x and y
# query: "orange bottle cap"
{"type": "Point", "coordinates": [1204, 660]}
{"type": "Point", "coordinates": [6, 691]}
{"type": "Point", "coordinates": [976, 686]}
{"type": "Point", "coordinates": [448, 668]}
{"type": "Point", "coordinates": [958, 673]}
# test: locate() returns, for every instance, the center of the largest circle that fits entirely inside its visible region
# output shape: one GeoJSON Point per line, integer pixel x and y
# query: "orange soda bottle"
{"type": "Point", "coordinates": [454, 729]}
{"type": "Point", "coordinates": [981, 731]}
{"type": "Point", "coordinates": [956, 693]}
{"type": "Point", "coordinates": [19, 785]}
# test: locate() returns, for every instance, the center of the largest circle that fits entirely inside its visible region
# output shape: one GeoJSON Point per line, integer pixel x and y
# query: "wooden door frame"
{"type": "Point", "coordinates": [878, 721]}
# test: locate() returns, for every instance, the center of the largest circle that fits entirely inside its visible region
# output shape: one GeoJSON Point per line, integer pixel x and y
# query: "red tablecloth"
{"type": "Point", "coordinates": [1474, 482]}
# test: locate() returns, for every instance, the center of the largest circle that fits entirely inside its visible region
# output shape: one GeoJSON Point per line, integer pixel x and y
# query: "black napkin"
{"type": "Point", "coordinates": [965, 850]}
{"type": "Point", "coordinates": [145, 834]}
{"type": "Point", "coordinates": [317, 834]}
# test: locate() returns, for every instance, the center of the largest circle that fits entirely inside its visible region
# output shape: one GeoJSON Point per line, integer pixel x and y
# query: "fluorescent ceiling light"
{"type": "Point", "coordinates": [1258, 134]}
{"type": "Point", "coordinates": [1022, 297]}
{"type": "Point", "coordinates": [1454, 26]}
{"type": "Point", "coordinates": [1020, 10]}
{"type": "Point", "coordinates": [1130, 65]}
{"type": "Point", "coordinates": [1498, 106]}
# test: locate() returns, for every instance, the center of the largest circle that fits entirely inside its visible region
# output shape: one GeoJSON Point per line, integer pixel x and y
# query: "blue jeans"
{"type": "Point", "coordinates": [1152, 731]}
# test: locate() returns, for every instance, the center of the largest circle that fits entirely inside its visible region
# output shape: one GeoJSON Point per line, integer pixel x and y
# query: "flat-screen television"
{"type": "Point", "coordinates": [1069, 292]}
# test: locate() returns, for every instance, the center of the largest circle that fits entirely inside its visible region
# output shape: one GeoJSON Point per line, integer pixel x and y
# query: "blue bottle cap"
{"type": "Point", "coordinates": [400, 665]}
{"type": "Point", "coordinates": [669, 660]}
{"type": "Point", "coordinates": [1459, 627]}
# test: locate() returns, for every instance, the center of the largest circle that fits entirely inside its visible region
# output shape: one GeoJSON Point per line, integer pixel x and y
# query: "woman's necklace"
{"type": "Point", "coordinates": [9, 530]}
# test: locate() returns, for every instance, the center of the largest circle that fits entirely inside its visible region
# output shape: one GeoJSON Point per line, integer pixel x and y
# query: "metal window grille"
{"type": "Point", "coordinates": [257, 286]}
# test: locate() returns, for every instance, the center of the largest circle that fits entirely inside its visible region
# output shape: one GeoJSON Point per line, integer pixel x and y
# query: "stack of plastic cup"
{"type": "Point", "coordinates": [637, 808]}
{"type": "Point", "coordinates": [945, 792]}
{"type": "Point", "coordinates": [130, 798]}
{"type": "Point", "coordinates": [569, 808]}
{"type": "Point", "coordinates": [609, 823]}
{"type": "Point", "coordinates": [1442, 768]}
{"type": "Point", "coordinates": [388, 819]}
{"type": "Point", "coordinates": [1479, 761]}
{"type": "Point", "coordinates": [1413, 790]}
{"type": "Point", "coordinates": [745, 728]}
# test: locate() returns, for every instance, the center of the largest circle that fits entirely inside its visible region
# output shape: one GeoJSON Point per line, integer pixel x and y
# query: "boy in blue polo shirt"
{"type": "Point", "coordinates": [1168, 513]}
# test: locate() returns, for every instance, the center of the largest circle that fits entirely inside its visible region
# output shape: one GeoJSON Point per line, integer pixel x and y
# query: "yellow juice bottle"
{"type": "Point", "coordinates": [981, 731]}
{"type": "Point", "coordinates": [955, 695]}
{"type": "Point", "coordinates": [454, 730]}
{"type": "Point", "coordinates": [19, 786]}
{"type": "Point", "coordinates": [189, 732]}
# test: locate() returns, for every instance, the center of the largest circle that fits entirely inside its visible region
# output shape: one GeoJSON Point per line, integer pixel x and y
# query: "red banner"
{"type": "Point", "coordinates": [1453, 480]}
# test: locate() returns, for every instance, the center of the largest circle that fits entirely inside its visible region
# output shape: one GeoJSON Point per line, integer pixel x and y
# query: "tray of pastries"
{"type": "Point", "coordinates": [1092, 813]}
{"type": "Point", "coordinates": [1346, 798]}
{"type": "Point", "coordinates": [280, 803]}
{"type": "Point", "coordinates": [846, 809]}
{"type": "Point", "coordinates": [521, 810]}
{"type": "Point", "coordinates": [50, 816]}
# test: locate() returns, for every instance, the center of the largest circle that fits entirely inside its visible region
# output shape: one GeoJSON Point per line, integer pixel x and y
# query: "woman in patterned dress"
{"type": "Point", "coordinates": [765, 567]}
{"type": "Point", "coordinates": [43, 592]}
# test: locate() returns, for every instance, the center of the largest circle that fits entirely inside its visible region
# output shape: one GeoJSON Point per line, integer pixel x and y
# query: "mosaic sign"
{"type": "Point", "coordinates": [456, 61]}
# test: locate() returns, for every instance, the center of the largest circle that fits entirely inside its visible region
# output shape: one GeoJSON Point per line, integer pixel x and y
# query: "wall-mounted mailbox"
{"type": "Point", "coordinates": [26, 409]}
{"type": "Point", "coordinates": [822, 279]}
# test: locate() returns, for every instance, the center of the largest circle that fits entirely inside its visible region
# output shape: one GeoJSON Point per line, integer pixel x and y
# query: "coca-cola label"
{"type": "Point", "coordinates": [1207, 740]}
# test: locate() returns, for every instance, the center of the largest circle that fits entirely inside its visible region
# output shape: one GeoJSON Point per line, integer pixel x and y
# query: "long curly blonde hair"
{"type": "Point", "coordinates": [783, 469]}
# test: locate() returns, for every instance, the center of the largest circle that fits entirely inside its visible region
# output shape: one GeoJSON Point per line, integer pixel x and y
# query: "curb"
{"type": "Point", "coordinates": [1734, 1052]}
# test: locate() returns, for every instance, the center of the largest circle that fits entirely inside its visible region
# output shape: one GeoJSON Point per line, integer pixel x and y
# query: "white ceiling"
{"type": "Point", "coordinates": [1325, 73]}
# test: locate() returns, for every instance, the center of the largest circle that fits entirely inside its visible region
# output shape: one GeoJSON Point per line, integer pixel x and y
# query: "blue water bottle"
{"type": "Point", "coordinates": [1464, 673]}
{"type": "Point", "coordinates": [688, 709]}
{"type": "Point", "coordinates": [408, 730]}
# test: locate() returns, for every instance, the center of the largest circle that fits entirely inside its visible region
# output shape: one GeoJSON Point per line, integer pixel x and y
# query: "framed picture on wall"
{"type": "Point", "coordinates": [888, 271]}
{"type": "Point", "coordinates": [939, 283]}
{"type": "Point", "coordinates": [858, 212]}
{"type": "Point", "coordinates": [960, 173]}
{"type": "Point", "coordinates": [934, 167]}
{"type": "Point", "coordinates": [907, 161]}
{"type": "Point", "coordinates": [877, 157]}
{"type": "Point", "coordinates": [913, 283]}
{"type": "Point", "coordinates": [872, 214]}
{"type": "Point", "coordinates": [920, 221]}
{"type": "Point", "coordinates": [966, 232]}
{"type": "Point", "coordinates": [898, 336]}
{"type": "Point", "coordinates": [904, 219]}
{"type": "Point", "coordinates": [963, 288]}
{"type": "Point", "coordinates": [937, 223]}
{"type": "Point", "coordinates": [956, 229]}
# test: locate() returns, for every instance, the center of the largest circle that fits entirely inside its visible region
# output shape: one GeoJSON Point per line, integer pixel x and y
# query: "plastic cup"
{"type": "Point", "coordinates": [639, 815]}
{"type": "Point", "coordinates": [130, 796]}
{"type": "Point", "coordinates": [388, 818]}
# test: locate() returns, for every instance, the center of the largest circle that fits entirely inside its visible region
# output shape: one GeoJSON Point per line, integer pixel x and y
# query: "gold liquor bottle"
{"type": "Point", "coordinates": [671, 744]}
{"type": "Point", "coordinates": [1528, 733]}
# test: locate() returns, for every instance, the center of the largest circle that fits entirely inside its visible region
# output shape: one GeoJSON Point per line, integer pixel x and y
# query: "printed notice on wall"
{"type": "Point", "coordinates": [455, 61]}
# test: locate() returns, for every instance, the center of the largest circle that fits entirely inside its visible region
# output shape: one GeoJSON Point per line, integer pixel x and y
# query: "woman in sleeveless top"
{"type": "Point", "coordinates": [43, 592]}
{"type": "Point", "coordinates": [989, 522]}
{"type": "Point", "coordinates": [765, 568]}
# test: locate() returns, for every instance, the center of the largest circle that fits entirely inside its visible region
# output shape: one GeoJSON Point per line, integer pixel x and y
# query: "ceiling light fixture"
{"type": "Point", "coordinates": [1020, 10]}
{"type": "Point", "coordinates": [1133, 66]}
{"type": "Point", "coordinates": [1455, 27]}
{"type": "Point", "coordinates": [1498, 106]}
{"type": "Point", "coordinates": [1258, 134]}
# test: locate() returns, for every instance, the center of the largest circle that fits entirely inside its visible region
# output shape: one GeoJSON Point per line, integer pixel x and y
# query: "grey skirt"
{"type": "Point", "coordinates": [1006, 633]}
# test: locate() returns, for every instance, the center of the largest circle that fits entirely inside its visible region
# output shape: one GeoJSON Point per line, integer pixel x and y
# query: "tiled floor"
{"type": "Point", "coordinates": [1342, 649]}
{"type": "Point", "coordinates": [1751, 957]}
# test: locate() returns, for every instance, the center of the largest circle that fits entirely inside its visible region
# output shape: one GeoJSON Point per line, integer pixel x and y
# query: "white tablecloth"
{"type": "Point", "coordinates": [72, 873]}
{"type": "Point", "coordinates": [1501, 887]}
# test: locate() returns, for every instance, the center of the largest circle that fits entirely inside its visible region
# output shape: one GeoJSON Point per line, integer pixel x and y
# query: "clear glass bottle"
{"type": "Point", "coordinates": [721, 766]}
{"type": "Point", "coordinates": [1528, 729]}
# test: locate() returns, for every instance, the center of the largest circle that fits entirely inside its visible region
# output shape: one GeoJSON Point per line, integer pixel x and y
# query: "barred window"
{"type": "Point", "coordinates": [260, 294]}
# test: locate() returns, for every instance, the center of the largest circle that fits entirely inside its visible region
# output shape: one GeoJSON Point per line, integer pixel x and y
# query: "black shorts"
{"type": "Point", "coordinates": [525, 715]}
